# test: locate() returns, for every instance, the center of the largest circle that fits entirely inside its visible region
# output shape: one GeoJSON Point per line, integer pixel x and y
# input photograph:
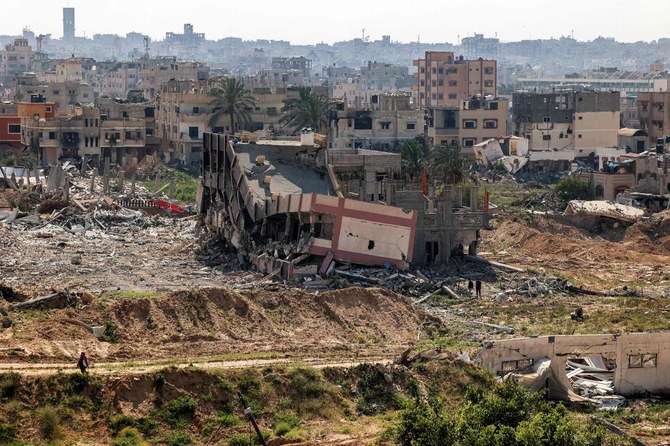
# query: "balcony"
{"type": "Point", "coordinates": [70, 140]}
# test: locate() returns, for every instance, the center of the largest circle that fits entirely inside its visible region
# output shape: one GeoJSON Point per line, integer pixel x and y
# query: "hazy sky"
{"type": "Point", "coordinates": [303, 21]}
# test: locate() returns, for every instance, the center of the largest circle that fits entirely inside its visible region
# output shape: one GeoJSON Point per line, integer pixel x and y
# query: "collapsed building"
{"type": "Point", "coordinates": [631, 363]}
{"type": "Point", "coordinates": [280, 202]}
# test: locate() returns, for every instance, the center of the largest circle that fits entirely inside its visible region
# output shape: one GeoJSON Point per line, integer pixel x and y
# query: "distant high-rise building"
{"type": "Point", "coordinates": [68, 23]}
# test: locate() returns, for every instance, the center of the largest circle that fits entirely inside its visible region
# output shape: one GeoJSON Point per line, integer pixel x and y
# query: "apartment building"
{"type": "Point", "coordinates": [181, 119]}
{"type": "Point", "coordinates": [388, 120]}
{"type": "Point", "coordinates": [62, 93]}
{"type": "Point", "coordinates": [16, 58]}
{"type": "Point", "coordinates": [474, 121]}
{"type": "Point", "coordinates": [579, 121]}
{"type": "Point", "coordinates": [444, 80]}
{"type": "Point", "coordinates": [119, 79]}
{"type": "Point", "coordinates": [654, 113]}
{"type": "Point", "coordinates": [156, 72]}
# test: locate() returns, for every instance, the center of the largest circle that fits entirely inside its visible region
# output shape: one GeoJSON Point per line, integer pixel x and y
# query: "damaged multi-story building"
{"type": "Point", "coordinates": [281, 202]}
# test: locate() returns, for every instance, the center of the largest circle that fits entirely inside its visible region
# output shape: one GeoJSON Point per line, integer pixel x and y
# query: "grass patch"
{"type": "Point", "coordinates": [49, 420]}
{"type": "Point", "coordinates": [185, 184]}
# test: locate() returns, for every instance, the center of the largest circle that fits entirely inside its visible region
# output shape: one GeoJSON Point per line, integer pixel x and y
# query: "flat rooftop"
{"type": "Point", "coordinates": [287, 171]}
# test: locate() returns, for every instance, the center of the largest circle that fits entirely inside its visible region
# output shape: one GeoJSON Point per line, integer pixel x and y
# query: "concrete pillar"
{"type": "Point", "coordinates": [120, 181]}
{"type": "Point", "coordinates": [474, 205]}
{"type": "Point", "coordinates": [93, 175]}
{"type": "Point", "coordinates": [66, 190]}
{"type": "Point", "coordinates": [105, 179]}
{"type": "Point", "coordinates": [132, 186]}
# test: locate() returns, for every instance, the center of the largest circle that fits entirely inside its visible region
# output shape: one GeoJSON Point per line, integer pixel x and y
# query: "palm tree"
{"type": "Point", "coordinates": [231, 98]}
{"type": "Point", "coordinates": [447, 162]}
{"type": "Point", "coordinates": [307, 110]}
{"type": "Point", "coordinates": [415, 157]}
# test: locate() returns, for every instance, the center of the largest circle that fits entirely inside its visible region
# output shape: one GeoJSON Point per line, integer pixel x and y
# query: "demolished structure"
{"type": "Point", "coordinates": [588, 365]}
{"type": "Point", "coordinates": [279, 202]}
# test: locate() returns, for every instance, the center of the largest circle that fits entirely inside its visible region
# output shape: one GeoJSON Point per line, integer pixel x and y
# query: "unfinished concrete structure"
{"type": "Point", "coordinates": [279, 202]}
{"type": "Point", "coordinates": [259, 192]}
{"type": "Point", "coordinates": [641, 360]}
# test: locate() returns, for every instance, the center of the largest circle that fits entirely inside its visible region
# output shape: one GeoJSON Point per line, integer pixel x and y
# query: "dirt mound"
{"type": "Point", "coordinates": [652, 235]}
{"type": "Point", "coordinates": [216, 321]}
{"type": "Point", "coordinates": [539, 242]}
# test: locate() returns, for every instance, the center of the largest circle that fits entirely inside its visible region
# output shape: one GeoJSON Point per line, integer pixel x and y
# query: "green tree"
{"type": "Point", "coordinates": [447, 163]}
{"type": "Point", "coordinates": [572, 188]}
{"type": "Point", "coordinates": [415, 157]}
{"type": "Point", "coordinates": [307, 110]}
{"type": "Point", "coordinates": [232, 99]}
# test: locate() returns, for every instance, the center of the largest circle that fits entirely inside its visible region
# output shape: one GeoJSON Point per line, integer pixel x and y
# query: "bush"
{"type": "Point", "coordinates": [117, 423]}
{"type": "Point", "coordinates": [178, 410]}
{"type": "Point", "coordinates": [243, 439]}
{"type": "Point", "coordinates": [147, 426]}
{"type": "Point", "coordinates": [572, 188]}
{"type": "Point", "coordinates": [509, 415]}
{"type": "Point", "coordinates": [76, 383]}
{"type": "Point", "coordinates": [129, 436]}
{"type": "Point", "coordinates": [178, 438]}
{"type": "Point", "coordinates": [49, 423]}
{"type": "Point", "coordinates": [109, 334]}
{"type": "Point", "coordinates": [9, 385]}
{"type": "Point", "coordinates": [7, 433]}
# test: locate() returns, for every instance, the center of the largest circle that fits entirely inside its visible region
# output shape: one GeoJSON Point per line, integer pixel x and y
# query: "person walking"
{"type": "Point", "coordinates": [478, 288]}
{"type": "Point", "coordinates": [83, 362]}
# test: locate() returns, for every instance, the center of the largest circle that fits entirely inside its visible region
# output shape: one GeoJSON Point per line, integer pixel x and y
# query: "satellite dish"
{"type": "Point", "coordinates": [36, 117]}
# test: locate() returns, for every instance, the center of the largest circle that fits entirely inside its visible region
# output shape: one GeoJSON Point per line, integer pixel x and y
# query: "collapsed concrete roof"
{"type": "Point", "coordinates": [602, 208]}
{"type": "Point", "coordinates": [255, 193]}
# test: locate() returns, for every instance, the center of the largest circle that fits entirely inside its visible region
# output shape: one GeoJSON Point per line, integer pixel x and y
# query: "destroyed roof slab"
{"type": "Point", "coordinates": [604, 208]}
{"type": "Point", "coordinates": [286, 173]}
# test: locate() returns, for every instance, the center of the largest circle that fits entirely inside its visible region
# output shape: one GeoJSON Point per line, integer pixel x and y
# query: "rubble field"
{"type": "Point", "coordinates": [636, 256]}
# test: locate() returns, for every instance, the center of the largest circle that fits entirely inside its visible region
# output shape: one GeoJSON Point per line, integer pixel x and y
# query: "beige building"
{"type": "Point", "coordinates": [389, 120]}
{"type": "Point", "coordinates": [581, 121]}
{"type": "Point", "coordinates": [444, 80]}
{"type": "Point", "coordinates": [654, 112]}
{"type": "Point", "coordinates": [634, 172]}
{"type": "Point", "coordinates": [181, 119]}
{"type": "Point", "coordinates": [85, 135]}
{"type": "Point", "coordinates": [473, 122]}
{"type": "Point", "coordinates": [15, 59]}
{"type": "Point", "coordinates": [63, 94]}
{"type": "Point", "coordinates": [639, 361]}
{"type": "Point", "coordinates": [156, 72]}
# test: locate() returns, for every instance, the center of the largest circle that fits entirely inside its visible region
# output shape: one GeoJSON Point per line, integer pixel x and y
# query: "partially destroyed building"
{"type": "Point", "coordinates": [279, 202]}
{"type": "Point", "coordinates": [637, 362]}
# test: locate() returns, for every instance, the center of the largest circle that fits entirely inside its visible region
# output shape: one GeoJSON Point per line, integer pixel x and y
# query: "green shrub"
{"type": "Point", "coordinates": [76, 383]}
{"type": "Point", "coordinates": [109, 334]}
{"type": "Point", "coordinates": [7, 433]}
{"type": "Point", "coordinates": [239, 440]}
{"type": "Point", "coordinates": [572, 188]}
{"type": "Point", "coordinates": [119, 422]}
{"type": "Point", "coordinates": [49, 423]}
{"type": "Point", "coordinates": [178, 410]}
{"type": "Point", "coordinates": [10, 383]}
{"type": "Point", "coordinates": [178, 438]}
{"type": "Point", "coordinates": [147, 426]}
{"type": "Point", "coordinates": [285, 423]}
{"type": "Point", "coordinates": [129, 436]}
{"type": "Point", "coordinates": [243, 439]}
{"type": "Point", "coordinates": [282, 429]}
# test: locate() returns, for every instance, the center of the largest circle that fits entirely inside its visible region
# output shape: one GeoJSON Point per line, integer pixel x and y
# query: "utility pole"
{"type": "Point", "coordinates": [252, 420]}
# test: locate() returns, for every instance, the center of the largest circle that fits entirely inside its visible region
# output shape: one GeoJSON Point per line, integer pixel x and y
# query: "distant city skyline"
{"type": "Point", "coordinates": [309, 22]}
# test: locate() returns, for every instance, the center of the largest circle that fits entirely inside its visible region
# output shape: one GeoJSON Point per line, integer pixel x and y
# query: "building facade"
{"type": "Point", "coordinates": [445, 80]}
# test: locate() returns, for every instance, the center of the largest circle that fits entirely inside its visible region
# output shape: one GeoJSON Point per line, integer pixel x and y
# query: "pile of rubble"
{"type": "Point", "coordinates": [592, 378]}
